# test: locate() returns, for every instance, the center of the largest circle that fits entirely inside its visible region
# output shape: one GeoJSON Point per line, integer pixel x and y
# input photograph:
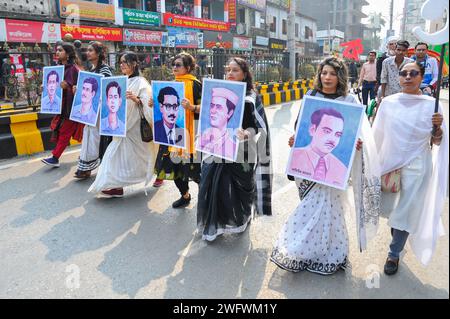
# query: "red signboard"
{"type": "Point", "coordinates": [92, 33]}
{"type": "Point", "coordinates": [232, 12]}
{"type": "Point", "coordinates": [174, 20]}
{"type": "Point", "coordinates": [32, 31]}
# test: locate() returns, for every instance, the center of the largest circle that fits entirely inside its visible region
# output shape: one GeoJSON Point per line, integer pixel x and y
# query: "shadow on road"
{"type": "Point", "coordinates": [226, 268]}
{"type": "Point", "coordinates": [103, 221]}
{"type": "Point", "coordinates": [342, 285]}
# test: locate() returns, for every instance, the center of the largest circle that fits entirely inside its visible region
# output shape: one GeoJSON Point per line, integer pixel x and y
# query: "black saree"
{"type": "Point", "coordinates": [228, 193]}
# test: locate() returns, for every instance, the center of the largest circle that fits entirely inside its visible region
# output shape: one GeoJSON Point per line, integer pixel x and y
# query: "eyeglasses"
{"type": "Point", "coordinates": [177, 65]}
{"type": "Point", "coordinates": [412, 73]}
{"type": "Point", "coordinates": [171, 106]}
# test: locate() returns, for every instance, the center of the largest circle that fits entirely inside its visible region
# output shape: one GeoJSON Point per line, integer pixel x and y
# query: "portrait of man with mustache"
{"type": "Point", "coordinates": [316, 159]}
{"type": "Point", "coordinates": [166, 130]}
{"type": "Point", "coordinates": [85, 112]}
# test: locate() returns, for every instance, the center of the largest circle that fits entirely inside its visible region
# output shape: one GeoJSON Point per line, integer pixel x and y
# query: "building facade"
{"type": "Point", "coordinates": [342, 15]}
{"type": "Point", "coordinates": [411, 19]}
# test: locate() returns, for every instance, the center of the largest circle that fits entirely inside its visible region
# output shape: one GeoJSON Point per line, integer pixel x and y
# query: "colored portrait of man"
{"type": "Point", "coordinates": [51, 101]}
{"type": "Point", "coordinates": [85, 112]}
{"type": "Point", "coordinates": [316, 159]}
{"type": "Point", "coordinates": [217, 139]}
{"type": "Point", "coordinates": [166, 129]}
{"type": "Point", "coordinates": [112, 124]}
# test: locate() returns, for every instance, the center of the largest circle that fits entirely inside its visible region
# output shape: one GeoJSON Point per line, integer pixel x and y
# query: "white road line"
{"type": "Point", "coordinates": [284, 189]}
{"type": "Point", "coordinates": [29, 161]}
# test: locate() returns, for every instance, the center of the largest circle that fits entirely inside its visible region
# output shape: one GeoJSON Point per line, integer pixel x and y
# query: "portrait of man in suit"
{"type": "Point", "coordinates": [166, 129]}
{"type": "Point", "coordinates": [85, 112]}
{"type": "Point", "coordinates": [112, 124]}
{"type": "Point", "coordinates": [52, 102]}
{"type": "Point", "coordinates": [316, 159]}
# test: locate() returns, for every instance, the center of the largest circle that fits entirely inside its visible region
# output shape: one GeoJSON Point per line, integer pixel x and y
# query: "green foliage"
{"type": "Point", "coordinates": [158, 73]}
{"type": "Point", "coordinates": [307, 71]}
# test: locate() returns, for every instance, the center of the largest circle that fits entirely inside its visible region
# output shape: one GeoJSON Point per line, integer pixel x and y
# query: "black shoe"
{"type": "Point", "coordinates": [182, 202]}
{"type": "Point", "coordinates": [82, 174]}
{"type": "Point", "coordinates": [391, 266]}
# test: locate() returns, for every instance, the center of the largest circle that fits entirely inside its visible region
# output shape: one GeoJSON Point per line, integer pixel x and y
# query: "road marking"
{"type": "Point", "coordinates": [284, 189]}
{"type": "Point", "coordinates": [29, 161]}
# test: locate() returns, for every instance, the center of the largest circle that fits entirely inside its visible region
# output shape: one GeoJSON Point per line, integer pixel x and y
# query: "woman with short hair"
{"type": "Point", "coordinates": [406, 141]}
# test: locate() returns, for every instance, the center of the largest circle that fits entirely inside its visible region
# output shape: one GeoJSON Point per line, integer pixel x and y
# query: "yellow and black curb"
{"type": "Point", "coordinates": [25, 134]}
{"type": "Point", "coordinates": [29, 133]}
{"type": "Point", "coordinates": [276, 93]}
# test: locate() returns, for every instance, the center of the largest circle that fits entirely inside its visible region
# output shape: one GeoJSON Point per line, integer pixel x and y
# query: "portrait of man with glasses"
{"type": "Point", "coordinates": [168, 130]}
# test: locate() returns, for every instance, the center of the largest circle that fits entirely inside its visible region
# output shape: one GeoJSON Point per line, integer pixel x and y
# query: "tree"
{"type": "Point", "coordinates": [376, 22]}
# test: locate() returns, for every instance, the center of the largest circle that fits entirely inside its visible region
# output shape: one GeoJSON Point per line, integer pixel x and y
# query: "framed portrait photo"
{"type": "Point", "coordinates": [113, 114]}
{"type": "Point", "coordinates": [51, 97]}
{"type": "Point", "coordinates": [221, 114]}
{"type": "Point", "coordinates": [86, 102]}
{"type": "Point", "coordinates": [325, 141]}
{"type": "Point", "coordinates": [168, 115]}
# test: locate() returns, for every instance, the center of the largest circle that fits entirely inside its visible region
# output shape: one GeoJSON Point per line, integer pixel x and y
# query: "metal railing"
{"type": "Point", "coordinates": [24, 89]}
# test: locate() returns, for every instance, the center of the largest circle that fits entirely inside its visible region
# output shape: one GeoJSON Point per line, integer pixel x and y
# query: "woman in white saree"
{"type": "Point", "coordinates": [128, 160]}
{"type": "Point", "coordinates": [404, 139]}
{"type": "Point", "coordinates": [314, 238]}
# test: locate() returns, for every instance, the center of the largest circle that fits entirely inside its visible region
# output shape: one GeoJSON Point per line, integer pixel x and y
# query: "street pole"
{"type": "Point", "coordinates": [291, 39]}
{"type": "Point", "coordinates": [404, 21]}
{"type": "Point", "coordinates": [391, 15]}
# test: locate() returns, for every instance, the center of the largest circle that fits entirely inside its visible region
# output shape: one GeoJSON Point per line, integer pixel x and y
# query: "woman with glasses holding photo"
{"type": "Point", "coordinates": [178, 164]}
{"type": "Point", "coordinates": [405, 140]}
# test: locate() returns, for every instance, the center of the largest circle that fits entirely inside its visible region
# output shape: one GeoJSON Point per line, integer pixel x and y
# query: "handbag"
{"type": "Point", "coordinates": [390, 182]}
{"type": "Point", "coordinates": [146, 130]}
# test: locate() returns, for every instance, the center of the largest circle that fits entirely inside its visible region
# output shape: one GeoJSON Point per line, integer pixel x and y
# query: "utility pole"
{"type": "Point", "coordinates": [404, 20]}
{"type": "Point", "coordinates": [391, 14]}
{"type": "Point", "coordinates": [291, 39]}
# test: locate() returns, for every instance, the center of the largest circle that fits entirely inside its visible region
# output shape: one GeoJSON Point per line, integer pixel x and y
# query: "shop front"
{"type": "Point", "coordinates": [218, 40]}
{"type": "Point", "coordinates": [29, 44]}
{"type": "Point", "coordinates": [242, 44]}
{"type": "Point", "coordinates": [86, 10]}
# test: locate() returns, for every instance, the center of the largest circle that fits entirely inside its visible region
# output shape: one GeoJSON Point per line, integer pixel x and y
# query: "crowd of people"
{"type": "Point", "coordinates": [407, 135]}
{"type": "Point", "coordinates": [378, 77]}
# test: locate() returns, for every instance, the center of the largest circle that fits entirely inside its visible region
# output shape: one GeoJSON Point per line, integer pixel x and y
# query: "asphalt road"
{"type": "Point", "coordinates": [58, 241]}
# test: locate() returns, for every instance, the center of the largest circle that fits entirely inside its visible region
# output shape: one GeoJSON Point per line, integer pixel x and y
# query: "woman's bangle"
{"type": "Point", "coordinates": [437, 137]}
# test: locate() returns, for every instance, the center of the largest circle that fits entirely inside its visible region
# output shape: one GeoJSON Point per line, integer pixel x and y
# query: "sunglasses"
{"type": "Point", "coordinates": [412, 73]}
{"type": "Point", "coordinates": [177, 65]}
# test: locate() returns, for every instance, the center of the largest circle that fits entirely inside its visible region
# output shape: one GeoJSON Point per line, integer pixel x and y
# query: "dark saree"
{"type": "Point", "coordinates": [230, 193]}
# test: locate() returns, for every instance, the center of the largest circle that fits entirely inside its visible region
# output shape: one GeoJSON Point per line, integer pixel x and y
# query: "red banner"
{"type": "Point", "coordinates": [174, 20]}
{"type": "Point", "coordinates": [32, 31]}
{"type": "Point", "coordinates": [232, 12]}
{"type": "Point", "coordinates": [92, 33]}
